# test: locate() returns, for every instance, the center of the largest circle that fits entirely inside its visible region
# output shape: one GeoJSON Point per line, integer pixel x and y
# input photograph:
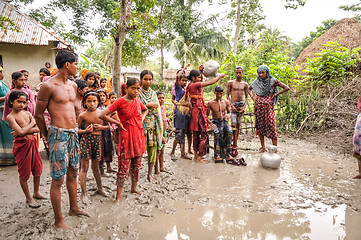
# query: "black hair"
{"type": "Point", "coordinates": [24, 71]}
{"type": "Point", "coordinates": [96, 73]}
{"type": "Point", "coordinates": [219, 89]}
{"type": "Point", "coordinates": [131, 81]}
{"type": "Point", "coordinates": [47, 63]}
{"type": "Point", "coordinates": [45, 70]}
{"type": "Point", "coordinates": [103, 91]}
{"type": "Point", "coordinates": [145, 72]}
{"type": "Point", "coordinates": [91, 74]}
{"type": "Point", "coordinates": [64, 56]}
{"type": "Point", "coordinates": [81, 84]}
{"type": "Point", "coordinates": [193, 73]}
{"type": "Point", "coordinates": [16, 75]}
{"type": "Point", "coordinates": [16, 94]}
{"type": "Point", "coordinates": [90, 93]}
{"type": "Point", "coordinates": [159, 93]}
{"type": "Point", "coordinates": [239, 67]}
{"type": "Point", "coordinates": [102, 79]}
{"type": "Point", "coordinates": [111, 94]}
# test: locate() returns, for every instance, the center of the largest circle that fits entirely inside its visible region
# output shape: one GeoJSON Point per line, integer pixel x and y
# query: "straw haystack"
{"type": "Point", "coordinates": [348, 29]}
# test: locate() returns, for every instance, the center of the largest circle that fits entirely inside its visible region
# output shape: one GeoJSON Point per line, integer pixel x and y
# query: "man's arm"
{"type": "Point", "coordinates": [229, 89]}
{"type": "Point", "coordinates": [245, 97]}
{"type": "Point", "coordinates": [208, 108]}
{"type": "Point", "coordinates": [41, 105]}
{"type": "Point", "coordinates": [228, 106]}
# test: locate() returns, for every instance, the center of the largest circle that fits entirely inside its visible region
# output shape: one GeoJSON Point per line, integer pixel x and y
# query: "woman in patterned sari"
{"type": "Point", "coordinates": [266, 88]}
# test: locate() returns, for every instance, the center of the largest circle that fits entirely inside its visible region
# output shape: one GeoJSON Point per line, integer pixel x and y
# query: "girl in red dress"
{"type": "Point", "coordinates": [131, 113]}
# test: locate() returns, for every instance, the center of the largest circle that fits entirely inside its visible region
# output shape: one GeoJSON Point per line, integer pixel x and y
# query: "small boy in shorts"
{"type": "Point", "coordinates": [90, 141]}
{"type": "Point", "coordinates": [25, 149]}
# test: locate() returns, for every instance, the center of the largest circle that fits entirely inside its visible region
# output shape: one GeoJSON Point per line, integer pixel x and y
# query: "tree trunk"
{"type": "Point", "coordinates": [161, 59]}
{"type": "Point", "coordinates": [238, 28]}
{"type": "Point", "coordinates": [119, 39]}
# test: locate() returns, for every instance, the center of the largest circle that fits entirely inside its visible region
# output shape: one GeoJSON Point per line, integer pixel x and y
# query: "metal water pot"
{"type": "Point", "coordinates": [270, 159]}
{"type": "Point", "coordinates": [210, 68]}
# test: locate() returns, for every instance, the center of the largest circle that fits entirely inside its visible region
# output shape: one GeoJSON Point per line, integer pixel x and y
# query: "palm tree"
{"type": "Point", "coordinates": [199, 42]}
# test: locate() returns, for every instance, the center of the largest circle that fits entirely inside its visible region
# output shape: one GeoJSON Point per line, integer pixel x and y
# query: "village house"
{"type": "Point", "coordinates": [28, 49]}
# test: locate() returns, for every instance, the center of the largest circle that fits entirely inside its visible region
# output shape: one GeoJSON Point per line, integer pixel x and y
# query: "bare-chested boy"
{"type": "Point", "coordinates": [220, 109]}
{"type": "Point", "coordinates": [58, 95]}
{"type": "Point", "coordinates": [239, 99]}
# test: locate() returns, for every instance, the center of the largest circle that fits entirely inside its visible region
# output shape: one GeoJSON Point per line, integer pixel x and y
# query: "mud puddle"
{"type": "Point", "coordinates": [311, 196]}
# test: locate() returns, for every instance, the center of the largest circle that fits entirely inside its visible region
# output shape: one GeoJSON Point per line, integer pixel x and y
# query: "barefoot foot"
{"type": "Point", "coordinates": [32, 203]}
{"type": "Point", "coordinates": [186, 157]}
{"type": "Point", "coordinates": [78, 213]}
{"type": "Point", "coordinates": [136, 191]}
{"type": "Point", "coordinates": [38, 196]}
{"type": "Point", "coordinates": [102, 193]}
{"type": "Point", "coordinates": [61, 226]}
{"type": "Point", "coordinates": [357, 176]}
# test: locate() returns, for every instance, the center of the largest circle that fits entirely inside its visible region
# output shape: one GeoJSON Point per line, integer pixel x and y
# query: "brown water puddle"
{"type": "Point", "coordinates": [311, 196]}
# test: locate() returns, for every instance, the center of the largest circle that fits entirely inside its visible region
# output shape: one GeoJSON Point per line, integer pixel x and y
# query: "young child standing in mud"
{"type": "Point", "coordinates": [357, 140]}
{"type": "Point", "coordinates": [107, 141]}
{"type": "Point", "coordinates": [181, 115]}
{"type": "Point", "coordinates": [153, 123]}
{"type": "Point", "coordinates": [131, 113]}
{"type": "Point", "coordinates": [266, 88]}
{"type": "Point", "coordinates": [25, 150]}
{"type": "Point", "coordinates": [199, 120]}
{"type": "Point", "coordinates": [90, 141]}
{"type": "Point", "coordinates": [160, 153]}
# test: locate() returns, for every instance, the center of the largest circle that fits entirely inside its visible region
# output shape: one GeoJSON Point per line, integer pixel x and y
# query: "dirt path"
{"type": "Point", "coordinates": [311, 196]}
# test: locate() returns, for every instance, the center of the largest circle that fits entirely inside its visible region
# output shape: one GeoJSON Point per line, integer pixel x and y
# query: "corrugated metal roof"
{"type": "Point", "coordinates": [32, 32]}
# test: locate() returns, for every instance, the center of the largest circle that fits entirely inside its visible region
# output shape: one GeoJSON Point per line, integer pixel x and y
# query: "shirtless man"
{"type": "Point", "coordinates": [58, 95]}
{"type": "Point", "coordinates": [237, 88]}
{"type": "Point", "coordinates": [220, 109]}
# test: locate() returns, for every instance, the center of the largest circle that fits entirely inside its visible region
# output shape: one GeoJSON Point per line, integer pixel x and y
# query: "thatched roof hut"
{"type": "Point", "coordinates": [348, 29]}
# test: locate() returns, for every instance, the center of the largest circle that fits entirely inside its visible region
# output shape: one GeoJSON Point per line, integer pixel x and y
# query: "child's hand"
{"type": "Point", "coordinates": [201, 68]}
{"type": "Point", "coordinates": [121, 127]}
{"type": "Point", "coordinates": [89, 129]}
{"type": "Point", "coordinates": [97, 127]}
{"type": "Point", "coordinates": [163, 140]}
{"type": "Point", "coordinates": [234, 109]}
{"type": "Point", "coordinates": [14, 134]}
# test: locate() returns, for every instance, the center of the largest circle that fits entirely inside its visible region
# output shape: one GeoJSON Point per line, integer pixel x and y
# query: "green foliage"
{"type": "Point", "coordinates": [294, 3]}
{"type": "Point", "coordinates": [272, 49]}
{"type": "Point", "coordinates": [93, 65]}
{"type": "Point", "coordinates": [195, 40]}
{"type": "Point", "coordinates": [293, 111]}
{"type": "Point", "coordinates": [8, 24]}
{"type": "Point", "coordinates": [298, 48]}
{"type": "Point", "coordinates": [355, 8]}
{"type": "Point", "coordinates": [331, 65]}
{"type": "Point", "coordinates": [160, 86]}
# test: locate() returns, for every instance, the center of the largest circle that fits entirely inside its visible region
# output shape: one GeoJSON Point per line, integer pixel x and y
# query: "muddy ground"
{"type": "Point", "coordinates": [311, 196]}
